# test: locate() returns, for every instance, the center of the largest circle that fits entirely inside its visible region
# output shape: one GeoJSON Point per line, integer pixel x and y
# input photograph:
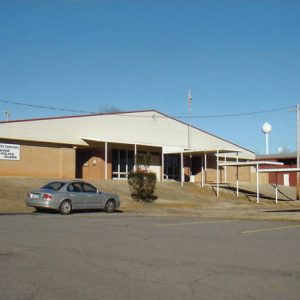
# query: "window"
{"type": "Point", "coordinates": [122, 163]}
{"type": "Point", "coordinates": [75, 187]}
{"type": "Point", "coordinates": [88, 188]}
{"type": "Point", "coordinates": [54, 186]}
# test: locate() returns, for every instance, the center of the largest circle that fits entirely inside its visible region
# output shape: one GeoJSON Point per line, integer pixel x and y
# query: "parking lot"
{"type": "Point", "coordinates": [125, 256]}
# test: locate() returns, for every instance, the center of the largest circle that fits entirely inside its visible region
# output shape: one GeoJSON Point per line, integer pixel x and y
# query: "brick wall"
{"type": "Point", "coordinates": [41, 161]}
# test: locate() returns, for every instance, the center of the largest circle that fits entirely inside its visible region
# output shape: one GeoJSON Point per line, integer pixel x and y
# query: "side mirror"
{"type": "Point", "coordinates": [99, 192]}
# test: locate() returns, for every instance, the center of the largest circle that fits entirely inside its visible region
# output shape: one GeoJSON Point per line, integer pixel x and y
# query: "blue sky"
{"type": "Point", "coordinates": [237, 56]}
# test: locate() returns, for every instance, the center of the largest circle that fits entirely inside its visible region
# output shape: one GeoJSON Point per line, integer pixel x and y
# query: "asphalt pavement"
{"type": "Point", "coordinates": [121, 256]}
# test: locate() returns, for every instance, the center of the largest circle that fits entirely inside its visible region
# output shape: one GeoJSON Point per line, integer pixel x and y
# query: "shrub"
{"type": "Point", "coordinates": [143, 161]}
{"type": "Point", "coordinates": [142, 185]}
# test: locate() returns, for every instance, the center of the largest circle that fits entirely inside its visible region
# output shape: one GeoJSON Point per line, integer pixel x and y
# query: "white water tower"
{"type": "Point", "coordinates": [266, 129]}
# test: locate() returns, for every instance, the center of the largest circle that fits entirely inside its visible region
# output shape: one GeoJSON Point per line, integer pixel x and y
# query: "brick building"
{"type": "Point", "coordinates": [104, 146]}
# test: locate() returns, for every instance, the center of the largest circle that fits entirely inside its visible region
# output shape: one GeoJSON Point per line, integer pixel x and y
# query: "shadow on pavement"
{"type": "Point", "coordinates": [15, 213]}
{"type": "Point", "coordinates": [283, 210]}
{"type": "Point", "coordinates": [252, 194]}
{"type": "Point", "coordinates": [54, 212]}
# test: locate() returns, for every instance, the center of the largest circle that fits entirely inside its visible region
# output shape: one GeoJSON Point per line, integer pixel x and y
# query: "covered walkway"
{"type": "Point", "coordinates": [276, 171]}
{"type": "Point", "coordinates": [204, 154]}
{"type": "Point", "coordinates": [256, 165]}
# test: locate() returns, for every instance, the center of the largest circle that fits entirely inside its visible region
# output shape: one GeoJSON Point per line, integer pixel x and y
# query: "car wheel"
{"type": "Point", "coordinates": [65, 207]}
{"type": "Point", "coordinates": [110, 206]}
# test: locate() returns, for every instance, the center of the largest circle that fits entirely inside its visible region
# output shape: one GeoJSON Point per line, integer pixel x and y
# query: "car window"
{"type": "Point", "coordinates": [89, 188]}
{"type": "Point", "coordinates": [70, 188]}
{"type": "Point", "coordinates": [74, 187]}
{"type": "Point", "coordinates": [54, 186]}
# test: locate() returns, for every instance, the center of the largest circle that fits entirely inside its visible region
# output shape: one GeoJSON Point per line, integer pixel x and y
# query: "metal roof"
{"type": "Point", "coordinates": [292, 155]}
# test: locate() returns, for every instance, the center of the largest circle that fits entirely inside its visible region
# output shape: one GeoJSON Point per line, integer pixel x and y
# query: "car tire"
{"type": "Point", "coordinates": [39, 209]}
{"type": "Point", "coordinates": [65, 207]}
{"type": "Point", "coordinates": [110, 206]}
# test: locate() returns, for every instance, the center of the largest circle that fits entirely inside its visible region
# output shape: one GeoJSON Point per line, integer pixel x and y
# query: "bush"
{"type": "Point", "coordinates": [142, 185]}
{"type": "Point", "coordinates": [143, 161]}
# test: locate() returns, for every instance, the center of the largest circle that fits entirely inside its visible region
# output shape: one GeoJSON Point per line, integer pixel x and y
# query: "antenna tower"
{"type": "Point", "coordinates": [189, 102]}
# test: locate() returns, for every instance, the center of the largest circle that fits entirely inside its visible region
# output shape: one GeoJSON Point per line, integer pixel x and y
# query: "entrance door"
{"type": "Point", "coordinates": [172, 167]}
{"type": "Point", "coordinates": [88, 163]}
{"type": "Point", "coordinates": [122, 163]}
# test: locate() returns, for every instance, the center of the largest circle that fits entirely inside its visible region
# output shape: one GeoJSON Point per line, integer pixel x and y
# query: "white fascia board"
{"type": "Point", "coordinates": [220, 151]}
{"type": "Point", "coordinates": [250, 163]}
{"type": "Point", "coordinates": [283, 170]}
{"type": "Point", "coordinates": [84, 138]}
{"type": "Point", "coordinates": [174, 150]}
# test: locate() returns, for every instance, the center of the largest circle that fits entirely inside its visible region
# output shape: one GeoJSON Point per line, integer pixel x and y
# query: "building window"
{"type": "Point", "coordinates": [122, 163]}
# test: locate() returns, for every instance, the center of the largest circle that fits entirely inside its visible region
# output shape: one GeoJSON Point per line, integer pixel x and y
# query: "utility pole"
{"type": "Point", "coordinates": [189, 101]}
{"type": "Point", "coordinates": [298, 151]}
{"type": "Point", "coordinates": [297, 109]}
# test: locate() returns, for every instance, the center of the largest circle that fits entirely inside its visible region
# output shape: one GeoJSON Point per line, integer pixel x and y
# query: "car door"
{"type": "Point", "coordinates": [93, 199]}
{"type": "Point", "coordinates": [76, 195]}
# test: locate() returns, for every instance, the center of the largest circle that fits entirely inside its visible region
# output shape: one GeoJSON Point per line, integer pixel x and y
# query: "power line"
{"type": "Point", "coordinates": [244, 113]}
{"type": "Point", "coordinates": [46, 107]}
{"type": "Point", "coordinates": [144, 116]}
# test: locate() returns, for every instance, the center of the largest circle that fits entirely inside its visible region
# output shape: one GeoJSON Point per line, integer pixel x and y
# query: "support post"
{"type": "Point", "coordinates": [105, 163]}
{"type": "Point", "coordinates": [205, 167]}
{"type": "Point", "coordinates": [135, 153]}
{"type": "Point", "coordinates": [257, 184]}
{"type": "Point", "coordinates": [202, 171]}
{"type": "Point", "coordinates": [182, 168]}
{"type": "Point", "coordinates": [276, 190]}
{"type": "Point", "coordinates": [191, 165]}
{"type": "Point", "coordinates": [225, 168]}
{"type": "Point", "coordinates": [162, 165]}
{"type": "Point", "coordinates": [218, 175]}
{"type": "Point", "coordinates": [237, 175]}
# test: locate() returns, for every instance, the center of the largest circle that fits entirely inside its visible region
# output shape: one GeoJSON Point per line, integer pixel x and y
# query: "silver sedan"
{"type": "Point", "coordinates": [66, 196]}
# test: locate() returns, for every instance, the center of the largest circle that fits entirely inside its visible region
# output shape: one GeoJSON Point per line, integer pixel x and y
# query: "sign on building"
{"type": "Point", "coordinates": [9, 151]}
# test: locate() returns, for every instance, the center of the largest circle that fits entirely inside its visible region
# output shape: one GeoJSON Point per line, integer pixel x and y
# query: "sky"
{"type": "Point", "coordinates": [240, 58]}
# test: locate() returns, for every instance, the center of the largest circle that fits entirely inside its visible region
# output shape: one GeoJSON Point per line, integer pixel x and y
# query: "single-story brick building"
{"type": "Point", "coordinates": [288, 160]}
{"type": "Point", "coordinates": [104, 146]}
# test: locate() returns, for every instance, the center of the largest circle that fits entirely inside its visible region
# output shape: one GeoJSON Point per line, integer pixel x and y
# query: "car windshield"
{"type": "Point", "coordinates": [53, 186]}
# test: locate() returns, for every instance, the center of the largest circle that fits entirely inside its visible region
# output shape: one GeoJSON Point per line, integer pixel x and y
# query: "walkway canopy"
{"type": "Point", "coordinates": [279, 170]}
{"type": "Point", "coordinates": [256, 165]}
{"type": "Point", "coordinates": [204, 152]}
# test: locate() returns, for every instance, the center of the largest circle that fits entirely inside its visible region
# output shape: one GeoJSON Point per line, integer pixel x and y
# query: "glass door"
{"type": "Point", "coordinates": [123, 162]}
{"type": "Point", "coordinates": [172, 167]}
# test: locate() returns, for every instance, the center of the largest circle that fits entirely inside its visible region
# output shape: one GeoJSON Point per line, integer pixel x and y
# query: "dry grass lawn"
{"type": "Point", "coordinates": [173, 199]}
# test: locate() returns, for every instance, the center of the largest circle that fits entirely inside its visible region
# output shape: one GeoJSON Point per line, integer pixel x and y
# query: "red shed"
{"type": "Point", "coordinates": [289, 160]}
